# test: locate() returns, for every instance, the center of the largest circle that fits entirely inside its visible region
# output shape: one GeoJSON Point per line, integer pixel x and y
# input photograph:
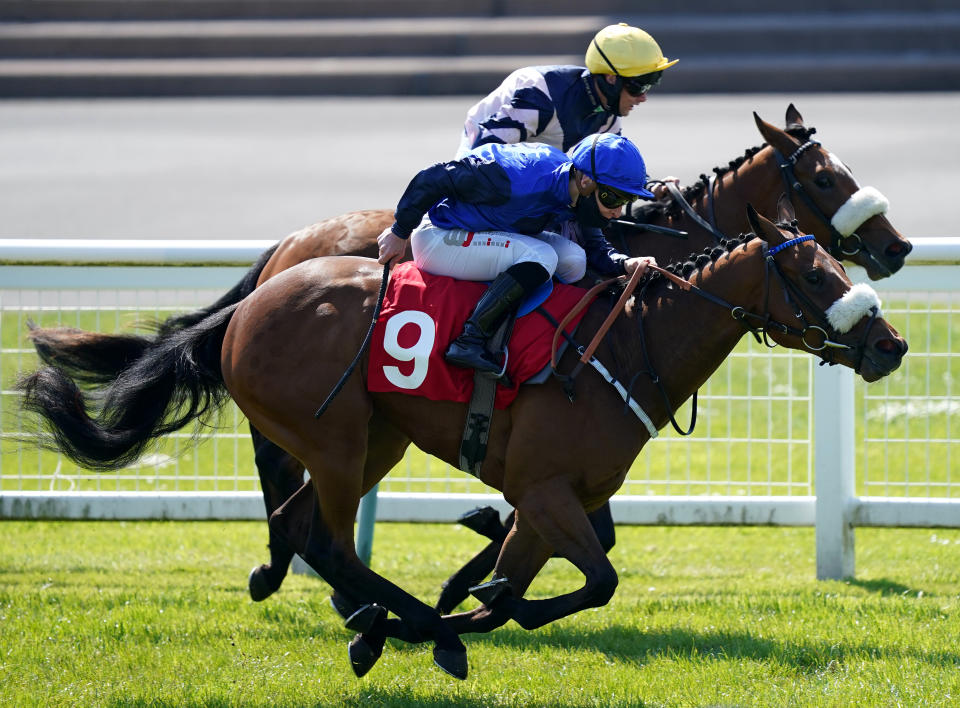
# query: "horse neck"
{"type": "Point", "coordinates": [756, 181]}
{"type": "Point", "coordinates": [687, 336]}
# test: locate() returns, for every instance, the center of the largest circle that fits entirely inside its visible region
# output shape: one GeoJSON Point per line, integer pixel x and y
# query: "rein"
{"type": "Point", "coordinates": [384, 279]}
{"type": "Point", "coordinates": [764, 323]}
{"type": "Point", "coordinates": [709, 227]}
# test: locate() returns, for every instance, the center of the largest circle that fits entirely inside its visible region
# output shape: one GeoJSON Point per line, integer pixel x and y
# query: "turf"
{"type": "Point", "coordinates": [156, 614]}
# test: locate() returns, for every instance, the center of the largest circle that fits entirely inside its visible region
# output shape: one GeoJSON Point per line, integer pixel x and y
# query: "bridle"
{"type": "Point", "coordinates": [793, 186]}
{"type": "Point", "coordinates": [760, 325]}
{"type": "Point", "coordinates": [837, 247]}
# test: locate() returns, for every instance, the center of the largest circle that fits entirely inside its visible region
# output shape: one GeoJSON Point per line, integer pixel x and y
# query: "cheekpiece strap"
{"type": "Point", "coordinates": [791, 242]}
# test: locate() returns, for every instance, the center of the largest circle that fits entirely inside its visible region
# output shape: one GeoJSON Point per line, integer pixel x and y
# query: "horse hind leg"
{"type": "Point", "coordinates": [281, 475]}
{"type": "Point", "coordinates": [326, 535]}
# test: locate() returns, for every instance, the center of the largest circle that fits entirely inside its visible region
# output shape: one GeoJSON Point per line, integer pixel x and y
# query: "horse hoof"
{"type": "Point", "coordinates": [260, 588]}
{"type": "Point", "coordinates": [362, 655]}
{"type": "Point", "coordinates": [485, 520]}
{"type": "Point", "coordinates": [363, 619]}
{"type": "Point", "coordinates": [489, 592]}
{"type": "Point", "coordinates": [454, 662]}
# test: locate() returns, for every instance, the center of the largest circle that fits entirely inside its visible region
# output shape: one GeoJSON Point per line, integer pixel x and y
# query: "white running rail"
{"type": "Point", "coordinates": [780, 441]}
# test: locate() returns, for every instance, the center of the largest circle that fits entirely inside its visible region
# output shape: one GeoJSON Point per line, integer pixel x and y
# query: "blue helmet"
{"type": "Point", "coordinates": [612, 160]}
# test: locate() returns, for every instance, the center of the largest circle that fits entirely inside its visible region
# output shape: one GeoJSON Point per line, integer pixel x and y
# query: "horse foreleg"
{"type": "Point", "coordinates": [522, 556]}
{"type": "Point", "coordinates": [558, 518]}
{"type": "Point", "coordinates": [281, 475]}
{"type": "Point", "coordinates": [602, 521]}
{"type": "Point", "coordinates": [456, 589]}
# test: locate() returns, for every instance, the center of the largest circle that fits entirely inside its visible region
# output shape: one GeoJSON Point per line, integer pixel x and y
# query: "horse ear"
{"type": "Point", "coordinates": [775, 137]}
{"type": "Point", "coordinates": [753, 219]}
{"type": "Point", "coordinates": [785, 209]}
{"type": "Point", "coordinates": [794, 119]}
{"type": "Point", "coordinates": [762, 227]}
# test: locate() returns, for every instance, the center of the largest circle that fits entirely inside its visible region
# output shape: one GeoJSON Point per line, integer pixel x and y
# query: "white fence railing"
{"type": "Point", "coordinates": [780, 441]}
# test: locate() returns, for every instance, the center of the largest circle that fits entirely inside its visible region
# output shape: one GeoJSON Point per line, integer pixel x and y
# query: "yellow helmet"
{"type": "Point", "coordinates": [625, 51]}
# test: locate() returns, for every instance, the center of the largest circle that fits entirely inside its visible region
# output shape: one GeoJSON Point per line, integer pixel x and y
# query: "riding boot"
{"type": "Point", "coordinates": [469, 350]}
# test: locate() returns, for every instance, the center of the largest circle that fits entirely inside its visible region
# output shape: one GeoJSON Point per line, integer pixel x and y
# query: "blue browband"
{"type": "Point", "coordinates": [791, 242]}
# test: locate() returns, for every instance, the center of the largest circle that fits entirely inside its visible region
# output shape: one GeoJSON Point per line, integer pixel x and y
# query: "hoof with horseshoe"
{"type": "Point", "coordinates": [259, 585]}
{"type": "Point", "coordinates": [364, 652]}
{"type": "Point", "coordinates": [453, 661]}
{"type": "Point", "coordinates": [367, 646]}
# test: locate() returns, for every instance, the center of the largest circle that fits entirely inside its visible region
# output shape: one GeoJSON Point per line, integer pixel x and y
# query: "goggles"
{"type": "Point", "coordinates": [612, 198]}
{"type": "Point", "coordinates": [639, 85]}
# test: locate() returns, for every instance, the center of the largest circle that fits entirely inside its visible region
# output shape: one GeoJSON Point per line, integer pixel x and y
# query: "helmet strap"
{"type": "Point", "coordinates": [611, 92]}
{"type": "Point", "coordinates": [593, 158]}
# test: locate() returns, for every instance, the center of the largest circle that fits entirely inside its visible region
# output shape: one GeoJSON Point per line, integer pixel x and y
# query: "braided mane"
{"type": "Point", "coordinates": [686, 267]}
{"type": "Point", "coordinates": [649, 211]}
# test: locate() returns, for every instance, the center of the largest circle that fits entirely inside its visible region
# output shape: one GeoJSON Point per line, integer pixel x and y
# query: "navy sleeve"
{"type": "Point", "coordinates": [471, 180]}
{"type": "Point", "coordinates": [601, 255]}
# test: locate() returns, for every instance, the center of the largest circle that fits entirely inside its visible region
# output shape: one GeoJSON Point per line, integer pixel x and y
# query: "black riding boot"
{"type": "Point", "coordinates": [469, 350]}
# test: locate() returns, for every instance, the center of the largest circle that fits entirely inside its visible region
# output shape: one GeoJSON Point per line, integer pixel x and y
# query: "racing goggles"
{"type": "Point", "coordinates": [612, 198]}
{"type": "Point", "coordinates": [639, 85]}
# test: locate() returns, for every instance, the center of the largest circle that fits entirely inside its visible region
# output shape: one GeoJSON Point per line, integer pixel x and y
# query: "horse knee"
{"type": "Point", "coordinates": [602, 586]}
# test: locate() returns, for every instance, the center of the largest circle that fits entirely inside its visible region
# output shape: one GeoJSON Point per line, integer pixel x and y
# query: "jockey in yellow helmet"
{"type": "Point", "coordinates": [561, 105]}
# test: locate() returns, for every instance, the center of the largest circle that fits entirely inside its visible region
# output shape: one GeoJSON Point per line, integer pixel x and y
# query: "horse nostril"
{"type": "Point", "coordinates": [898, 249]}
{"type": "Point", "coordinates": [891, 347]}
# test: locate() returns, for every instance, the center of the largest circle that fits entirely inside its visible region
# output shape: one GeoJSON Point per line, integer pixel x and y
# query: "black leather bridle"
{"type": "Point", "coordinates": [838, 248]}
{"type": "Point", "coordinates": [760, 325]}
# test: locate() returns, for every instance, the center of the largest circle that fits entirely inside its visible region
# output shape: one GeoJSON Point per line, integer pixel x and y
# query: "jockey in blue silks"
{"type": "Point", "coordinates": [505, 213]}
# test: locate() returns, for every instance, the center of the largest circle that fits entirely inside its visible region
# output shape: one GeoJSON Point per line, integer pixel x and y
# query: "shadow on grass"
{"type": "Point", "coordinates": [884, 586]}
{"type": "Point", "coordinates": [366, 697]}
{"type": "Point", "coordinates": [624, 644]}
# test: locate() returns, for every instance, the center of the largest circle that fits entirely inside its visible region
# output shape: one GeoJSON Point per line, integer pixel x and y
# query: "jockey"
{"type": "Point", "coordinates": [560, 105]}
{"type": "Point", "coordinates": [487, 216]}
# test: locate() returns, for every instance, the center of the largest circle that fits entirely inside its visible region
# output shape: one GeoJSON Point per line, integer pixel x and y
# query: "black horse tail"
{"type": "Point", "coordinates": [176, 380]}
{"type": "Point", "coordinates": [97, 359]}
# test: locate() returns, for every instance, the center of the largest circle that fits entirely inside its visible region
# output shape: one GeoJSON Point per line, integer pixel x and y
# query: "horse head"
{"type": "Point", "coordinates": [847, 219]}
{"type": "Point", "coordinates": [812, 305]}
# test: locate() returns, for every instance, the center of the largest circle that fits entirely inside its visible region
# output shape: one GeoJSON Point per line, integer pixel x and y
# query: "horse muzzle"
{"type": "Point", "coordinates": [882, 353]}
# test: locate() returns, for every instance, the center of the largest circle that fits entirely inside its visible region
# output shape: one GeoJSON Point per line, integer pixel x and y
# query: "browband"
{"type": "Point", "coordinates": [791, 242]}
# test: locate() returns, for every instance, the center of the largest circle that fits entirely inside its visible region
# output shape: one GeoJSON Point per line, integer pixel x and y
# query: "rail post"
{"type": "Point", "coordinates": [834, 474]}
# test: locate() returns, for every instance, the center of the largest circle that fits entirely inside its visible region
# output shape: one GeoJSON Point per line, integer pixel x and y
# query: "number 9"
{"type": "Point", "coordinates": [419, 353]}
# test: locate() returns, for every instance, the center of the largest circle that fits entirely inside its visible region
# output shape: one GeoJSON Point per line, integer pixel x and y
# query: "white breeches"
{"type": "Point", "coordinates": [483, 255]}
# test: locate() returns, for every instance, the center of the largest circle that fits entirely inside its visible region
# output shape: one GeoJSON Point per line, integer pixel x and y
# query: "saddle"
{"type": "Point", "coordinates": [422, 313]}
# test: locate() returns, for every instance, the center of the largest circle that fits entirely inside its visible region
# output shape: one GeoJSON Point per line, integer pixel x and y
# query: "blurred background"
{"type": "Point", "coordinates": [251, 118]}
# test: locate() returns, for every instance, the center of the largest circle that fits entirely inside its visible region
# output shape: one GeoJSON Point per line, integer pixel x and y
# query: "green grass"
{"type": "Point", "coordinates": [156, 614]}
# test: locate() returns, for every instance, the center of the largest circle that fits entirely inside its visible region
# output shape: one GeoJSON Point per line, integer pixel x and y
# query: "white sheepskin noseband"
{"type": "Point", "coordinates": [856, 304]}
{"type": "Point", "coordinates": [861, 205]}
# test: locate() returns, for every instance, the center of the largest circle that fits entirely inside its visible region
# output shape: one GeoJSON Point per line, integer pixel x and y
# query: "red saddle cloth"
{"type": "Point", "coordinates": [423, 313]}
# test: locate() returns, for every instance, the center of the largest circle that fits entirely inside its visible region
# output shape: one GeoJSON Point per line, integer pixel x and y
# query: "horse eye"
{"type": "Point", "coordinates": [814, 277]}
{"type": "Point", "coordinates": [823, 180]}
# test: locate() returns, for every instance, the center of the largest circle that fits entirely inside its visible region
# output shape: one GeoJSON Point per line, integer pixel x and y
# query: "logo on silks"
{"type": "Point", "coordinates": [469, 238]}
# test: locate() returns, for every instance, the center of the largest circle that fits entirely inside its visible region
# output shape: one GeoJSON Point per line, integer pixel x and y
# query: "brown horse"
{"type": "Point", "coordinates": [280, 351]}
{"type": "Point", "coordinates": [758, 177]}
